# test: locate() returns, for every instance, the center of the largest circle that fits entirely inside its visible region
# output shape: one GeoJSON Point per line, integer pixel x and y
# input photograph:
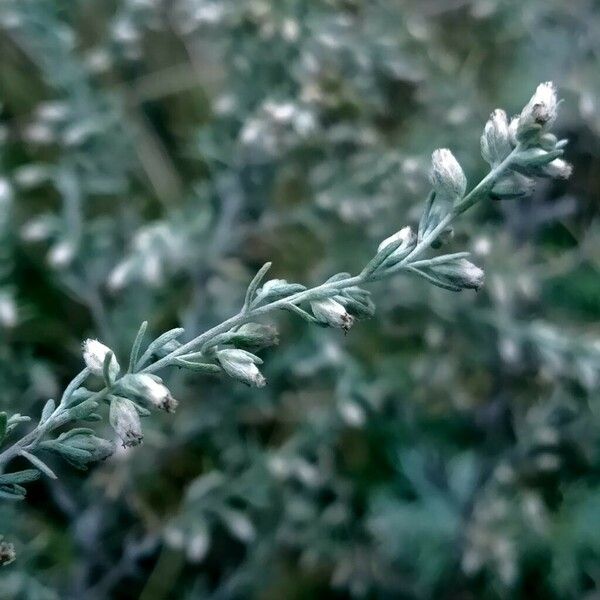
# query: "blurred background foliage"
{"type": "Point", "coordinates": [153, 154]}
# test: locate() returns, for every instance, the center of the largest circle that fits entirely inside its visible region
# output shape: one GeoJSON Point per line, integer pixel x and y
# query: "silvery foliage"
{"type": "Point", "coordinates": [530, 151]}
{"type": "Point", "coordinates": [343, 184]}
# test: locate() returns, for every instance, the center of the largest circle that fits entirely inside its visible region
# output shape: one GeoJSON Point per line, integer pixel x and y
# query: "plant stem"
{"type": "Point", "coordinates": [329, 289]}
{"type": "Point", "coordinates": [31, 440]}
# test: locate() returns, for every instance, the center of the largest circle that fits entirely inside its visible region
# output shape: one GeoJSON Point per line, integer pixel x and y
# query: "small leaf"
{"type": "Point", "coordinates": [74, 385]}
{"type": "Point", "coordinates": [48, 409]}
{"type": "Point", "coordinates": [10, 493]}
{"type": "Point", "coordinates": [106, 368]}
{"type": "Point", "coordinates": [256, 281]}
{"type": "Point", "coordinates": [301, 313]}
{"type": "Point", "coordinates": [25, 476]}
{"type": "Point", "coordinates": [194, 366]}
{"type": "Point", "coordinates": [158, 343]}
{"type": "Point", "coordinates": [39, 464]}
{"type": "Point", "coordinates": [135, 348]}
{"type": "Point", "coordinates": [381, 257]}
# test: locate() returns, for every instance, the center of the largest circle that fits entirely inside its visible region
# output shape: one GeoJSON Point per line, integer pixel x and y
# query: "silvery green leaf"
{"type": "Point", "coordinates": [74, 385]}
{"type": "Point", "coordinates": [15, 420]}
{"type": "Point", "coordinates": [83, 410]}
{"type": "Point", "coordinates": [12, 492]}
{"type": "Point", "coordinates": [24, 476]}
{"type": "Point", "coordinates": [256, 281]}
{"type": "Point", "coordinates": [158, 344]}
{"type": "Point", "coordinates": [276, 289]}
{"type": "Point", "coordinates": [203, 485]}
{"type": "Point", "coordinates": [238, 524]}
{"type": "Point", "coordinates": [38, 464]}
{"type": "Point", "coordinates": [435, 280]}
{"type": "Point", "coordinates": [196, 366]}
{"type": "Point", "coordinates": [529, 159]}
{"type": "Point", "coordinates": [301, 313]}
{"type": "Point", "coordinates": [511, 186]}
{"type": "Point", "coordinates": [135, 348]}
{"type": "Point", "coordinates": [47, 411]}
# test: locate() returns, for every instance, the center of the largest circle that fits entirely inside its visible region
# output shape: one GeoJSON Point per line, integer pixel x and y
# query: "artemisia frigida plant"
{"type": "Point", "coordinates": [518, 150]}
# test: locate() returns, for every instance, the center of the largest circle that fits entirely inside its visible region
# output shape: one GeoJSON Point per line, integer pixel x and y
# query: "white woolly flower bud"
{"type": "Point", "coordinates": [408, 239]}
{"type": "Point", "coordinates": [511, 186]}
{"type": "Point", "coordinates": [558, 169]}
{"type": "Point", "coordinates": [150, 388]}
{"type": "Point", "coordinates": [241, 365]}
{"type": "Point", "coordinates": [540, 112]}
{"type": "Point", "coordinates": [94, 354]}
{"type": "Point", "coordinates": [332, 313]}
{"type": "Point", "coordinates": [495, 142]}
{"type": "Point", "coordinates": [125, 420]}
{"type": "Point", "coordinates": [462, 273]}
{"type": "Point", "coordinates": [446, 175]}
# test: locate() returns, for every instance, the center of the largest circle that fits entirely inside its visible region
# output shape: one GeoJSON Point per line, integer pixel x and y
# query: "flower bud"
{"type": "Point", "coordinates": [446, 175]}
{"type": "Point", "coordinates": [495, 142]}
{"type": "Point", "coordinates": [125, 420]}
{"type": "Point", "coordinates": [80, 447]}
{"type": "Point", "coordinates": [94, 354]}
{"type": "Point", "coordinates": [461, 273]}
{"type": "Point", "coordinates": [511, 186]}
{"type": "Point", "coordinates": [7, 553]}
{"type": "Point", "coordinates": [539, 113]}
{"type": "Point", "coordinates": [151, 389]}
{"type": "Point", "coordinates": [241, 365]}
{"type": "Point", "coordinates": [408, 241]}
{"type": "Point", "coordinates": [558, 169]}
{"type": "Point", "coordinates": [332, 313]}
{"type": "Point", "coordinates": [256, 335]}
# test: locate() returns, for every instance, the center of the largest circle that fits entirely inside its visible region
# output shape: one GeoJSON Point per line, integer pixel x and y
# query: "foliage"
{"type": "Point", "coordinates": [154, 155]}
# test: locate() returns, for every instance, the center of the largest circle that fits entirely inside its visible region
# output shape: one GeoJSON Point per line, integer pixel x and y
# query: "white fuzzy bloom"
{"type": "Point", "coordinates": [94, 354]}
{"type": "Point", "coordinates": [408, 239]}
{"type": "Point", "coordinates": [462, 273]}
{"type": "Point", "coordinates": [153, 390]}
{"type": "Point", "coordinates": [558, 168]}
{"type": "Point", "coordinates": [125, 420]}
{"type": "Point", "coordinates": [541, 108]}
{"type": "Point", "coordinates": [446, 175]}
{"type": "Point", "coordinates": [332, 313]}
{"type": "Point", "coordinates": [241, 365]}
{"type": "Point", "coordinates": [495, 141]}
